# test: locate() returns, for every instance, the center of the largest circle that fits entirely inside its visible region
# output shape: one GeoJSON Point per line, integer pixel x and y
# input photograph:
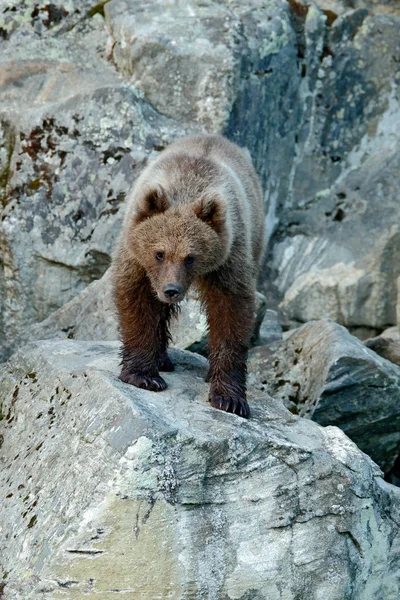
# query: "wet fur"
{"type": "Point", "coordinates": [200, 199]}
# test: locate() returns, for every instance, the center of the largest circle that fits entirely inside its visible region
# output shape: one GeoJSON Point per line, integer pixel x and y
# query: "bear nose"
{"type": "Point", "coordinates": [173, 291]}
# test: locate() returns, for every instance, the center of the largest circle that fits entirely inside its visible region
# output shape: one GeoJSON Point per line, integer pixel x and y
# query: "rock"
{"type": "Point", "coordinates": [230, 68]}
{"type": "Point", "coordinates": [270, 329]}
{"type": "Point", "coordinates": [89, 316]}
{"type": "Point", "coordinates": [392, 332]}
{"type": "Point", "coordinates": [398, 302]}
{"type": "Point", "coordinates": [86, 100]}
{"type": "Point", "coordinates": [334, 250]}
{"type": "Point", "coordinates": [387, 344]}
{"type": "Point", "coordinates": [323, 373]}
{"type": "Point", "coordinates": [187, 47]}
{"type": "Point", "coordinates": [22, 20]}
{"type": "Point", "coordinates": [73, 138]}
{"type": "Point", "coordinates": [260, 315]}
{"type": "Point", "coordinates": [92, 316]}
{"type": "Point", "coordinates": [336, 8]}
{"type": "Point", "coordinates": [107, 488]}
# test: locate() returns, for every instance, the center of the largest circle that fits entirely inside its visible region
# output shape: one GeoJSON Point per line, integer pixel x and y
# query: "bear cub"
{"type": "Point", "coordinates": [194, 217]}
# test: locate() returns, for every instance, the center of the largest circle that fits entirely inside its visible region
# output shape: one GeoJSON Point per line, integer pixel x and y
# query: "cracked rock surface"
{"type": "Point", "coordinates": [335, 245]}
{"type": "Point", "coordinates": [73, 138]}
{"type": "Point", "coordinates": [109, 491]}
{"type": "Point", "coordinates": [323, 373]}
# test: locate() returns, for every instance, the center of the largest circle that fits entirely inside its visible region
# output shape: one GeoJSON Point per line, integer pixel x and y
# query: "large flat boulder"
{"type": "Point", "coordinates": [108, 491]}
{"type": "Point", "coordinates": [323, 373]}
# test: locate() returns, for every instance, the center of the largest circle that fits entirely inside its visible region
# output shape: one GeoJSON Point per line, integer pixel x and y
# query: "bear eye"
{"type": "Point", "coordinates": [189, 260]}
{"type": "Point", "coordinates": [160, 256]}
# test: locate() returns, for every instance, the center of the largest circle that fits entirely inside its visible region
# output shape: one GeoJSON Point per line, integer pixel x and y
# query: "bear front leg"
{"type": "Point", "coordinates": [140, 314]}
{"type": "Point", "coordinates": [230, 319]}
{"type": "Point", "coordinates": [164, 361]}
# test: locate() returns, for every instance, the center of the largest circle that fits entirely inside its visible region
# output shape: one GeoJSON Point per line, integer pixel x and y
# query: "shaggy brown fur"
{"type": "Point", "coordinates": [195, 216]}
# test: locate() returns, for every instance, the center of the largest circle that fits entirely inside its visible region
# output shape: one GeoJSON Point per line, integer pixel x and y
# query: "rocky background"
{"type": "Point", "coordinates": [109, 491]}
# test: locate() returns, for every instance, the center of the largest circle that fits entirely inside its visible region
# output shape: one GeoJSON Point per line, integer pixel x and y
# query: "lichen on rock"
{"type": "Point", "coordinates": [159, 495]}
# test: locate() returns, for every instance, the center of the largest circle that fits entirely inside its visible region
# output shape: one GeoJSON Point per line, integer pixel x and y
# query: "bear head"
{"type": "Point", "coordinates": [178, 243]}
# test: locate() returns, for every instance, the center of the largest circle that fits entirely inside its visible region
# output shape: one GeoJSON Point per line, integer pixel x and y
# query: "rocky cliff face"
{"type": "Point", "coordinates": [90, 92]}
{"type": "Point", "coordinates": [86, 97]}
{"type": "Point", "coordinates": [67, 163]}
{"type": "Point", "coordinates": [108, 490]}
{"type": "Point", "coordinates": [335, 247]}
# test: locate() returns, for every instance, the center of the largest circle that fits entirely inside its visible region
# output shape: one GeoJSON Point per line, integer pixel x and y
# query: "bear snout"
{"type": "Point", "coordinates": [172, 293]}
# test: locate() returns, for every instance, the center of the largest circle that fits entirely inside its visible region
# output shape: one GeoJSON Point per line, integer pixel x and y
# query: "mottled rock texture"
{"type": "Point", "coordinates": [334, 8]}
{"type": "Point", "coordinates": [74, 136]}
{"type": "Point", "coordinates": [271, 329]}
{"type": "Point", "coordinates": [88, 92]}
{"type": "Point", "coordinates": [109, 491]}
{"type": "Point", "coordinates": [92, 315]}
{"type": "Point", "coordinates": [323, 373]}
{"type": "Point", "coordinates": [385, 346]}
{"type": "Point", "coordinates": [86, 97]}
{"type": "Point", "coordinates": [335, 247]}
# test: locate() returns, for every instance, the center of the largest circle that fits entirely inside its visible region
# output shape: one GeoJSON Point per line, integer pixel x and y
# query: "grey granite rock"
{"type": "Point", "coordinates": [387, 344]}
{"type": "Point", "coordinates": [92, 315]}
{"type": "Point", "coordinates": [89, 91]}
{"type": "Point", "coordinates": [231, 67]}
{"type": "Point", "coordinates": [110, 491]}
{"type": "Point", "coordinates": [336, 8]}
{"type": "Point", "coordinates": [270, 329]}
{"type": "Point", "coordinates": [392, 333]}
{"type": "Point", "coordinates": [73, 138]}
{"type": "Point", "coordinates": [334, 251]}
{"type": "Point", "coordinates": [323, 373]}
{"type": "Point", "coordinates": [84, 101]}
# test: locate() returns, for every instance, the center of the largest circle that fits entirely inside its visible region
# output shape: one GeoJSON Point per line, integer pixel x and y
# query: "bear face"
{"type": "Point", "coordinates": [174, 248]}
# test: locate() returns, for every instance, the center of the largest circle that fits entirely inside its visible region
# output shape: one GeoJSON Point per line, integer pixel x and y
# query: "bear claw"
{"type": "Point", "coordinates": [237, 406]}
{"type": "Point", "coordinates": [154, 383]}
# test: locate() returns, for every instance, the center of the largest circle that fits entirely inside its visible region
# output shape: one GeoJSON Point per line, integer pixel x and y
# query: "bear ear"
{"type": "Point", "coordinates": [212, 211]}
{"type": "Point", "coordinates": [153, 202]}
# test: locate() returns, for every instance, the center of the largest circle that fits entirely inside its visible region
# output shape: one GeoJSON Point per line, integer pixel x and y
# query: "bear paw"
{"type": "Point", "coordinates": [165, 364]}
{"type": "Point", "coordinates": [154, 383]}
{"type": "Point", "coordinates": [235, 405]}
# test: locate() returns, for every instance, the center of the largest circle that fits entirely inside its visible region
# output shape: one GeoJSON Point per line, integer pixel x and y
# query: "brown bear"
{"type": "Point", "coordinates": [195, 217]}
